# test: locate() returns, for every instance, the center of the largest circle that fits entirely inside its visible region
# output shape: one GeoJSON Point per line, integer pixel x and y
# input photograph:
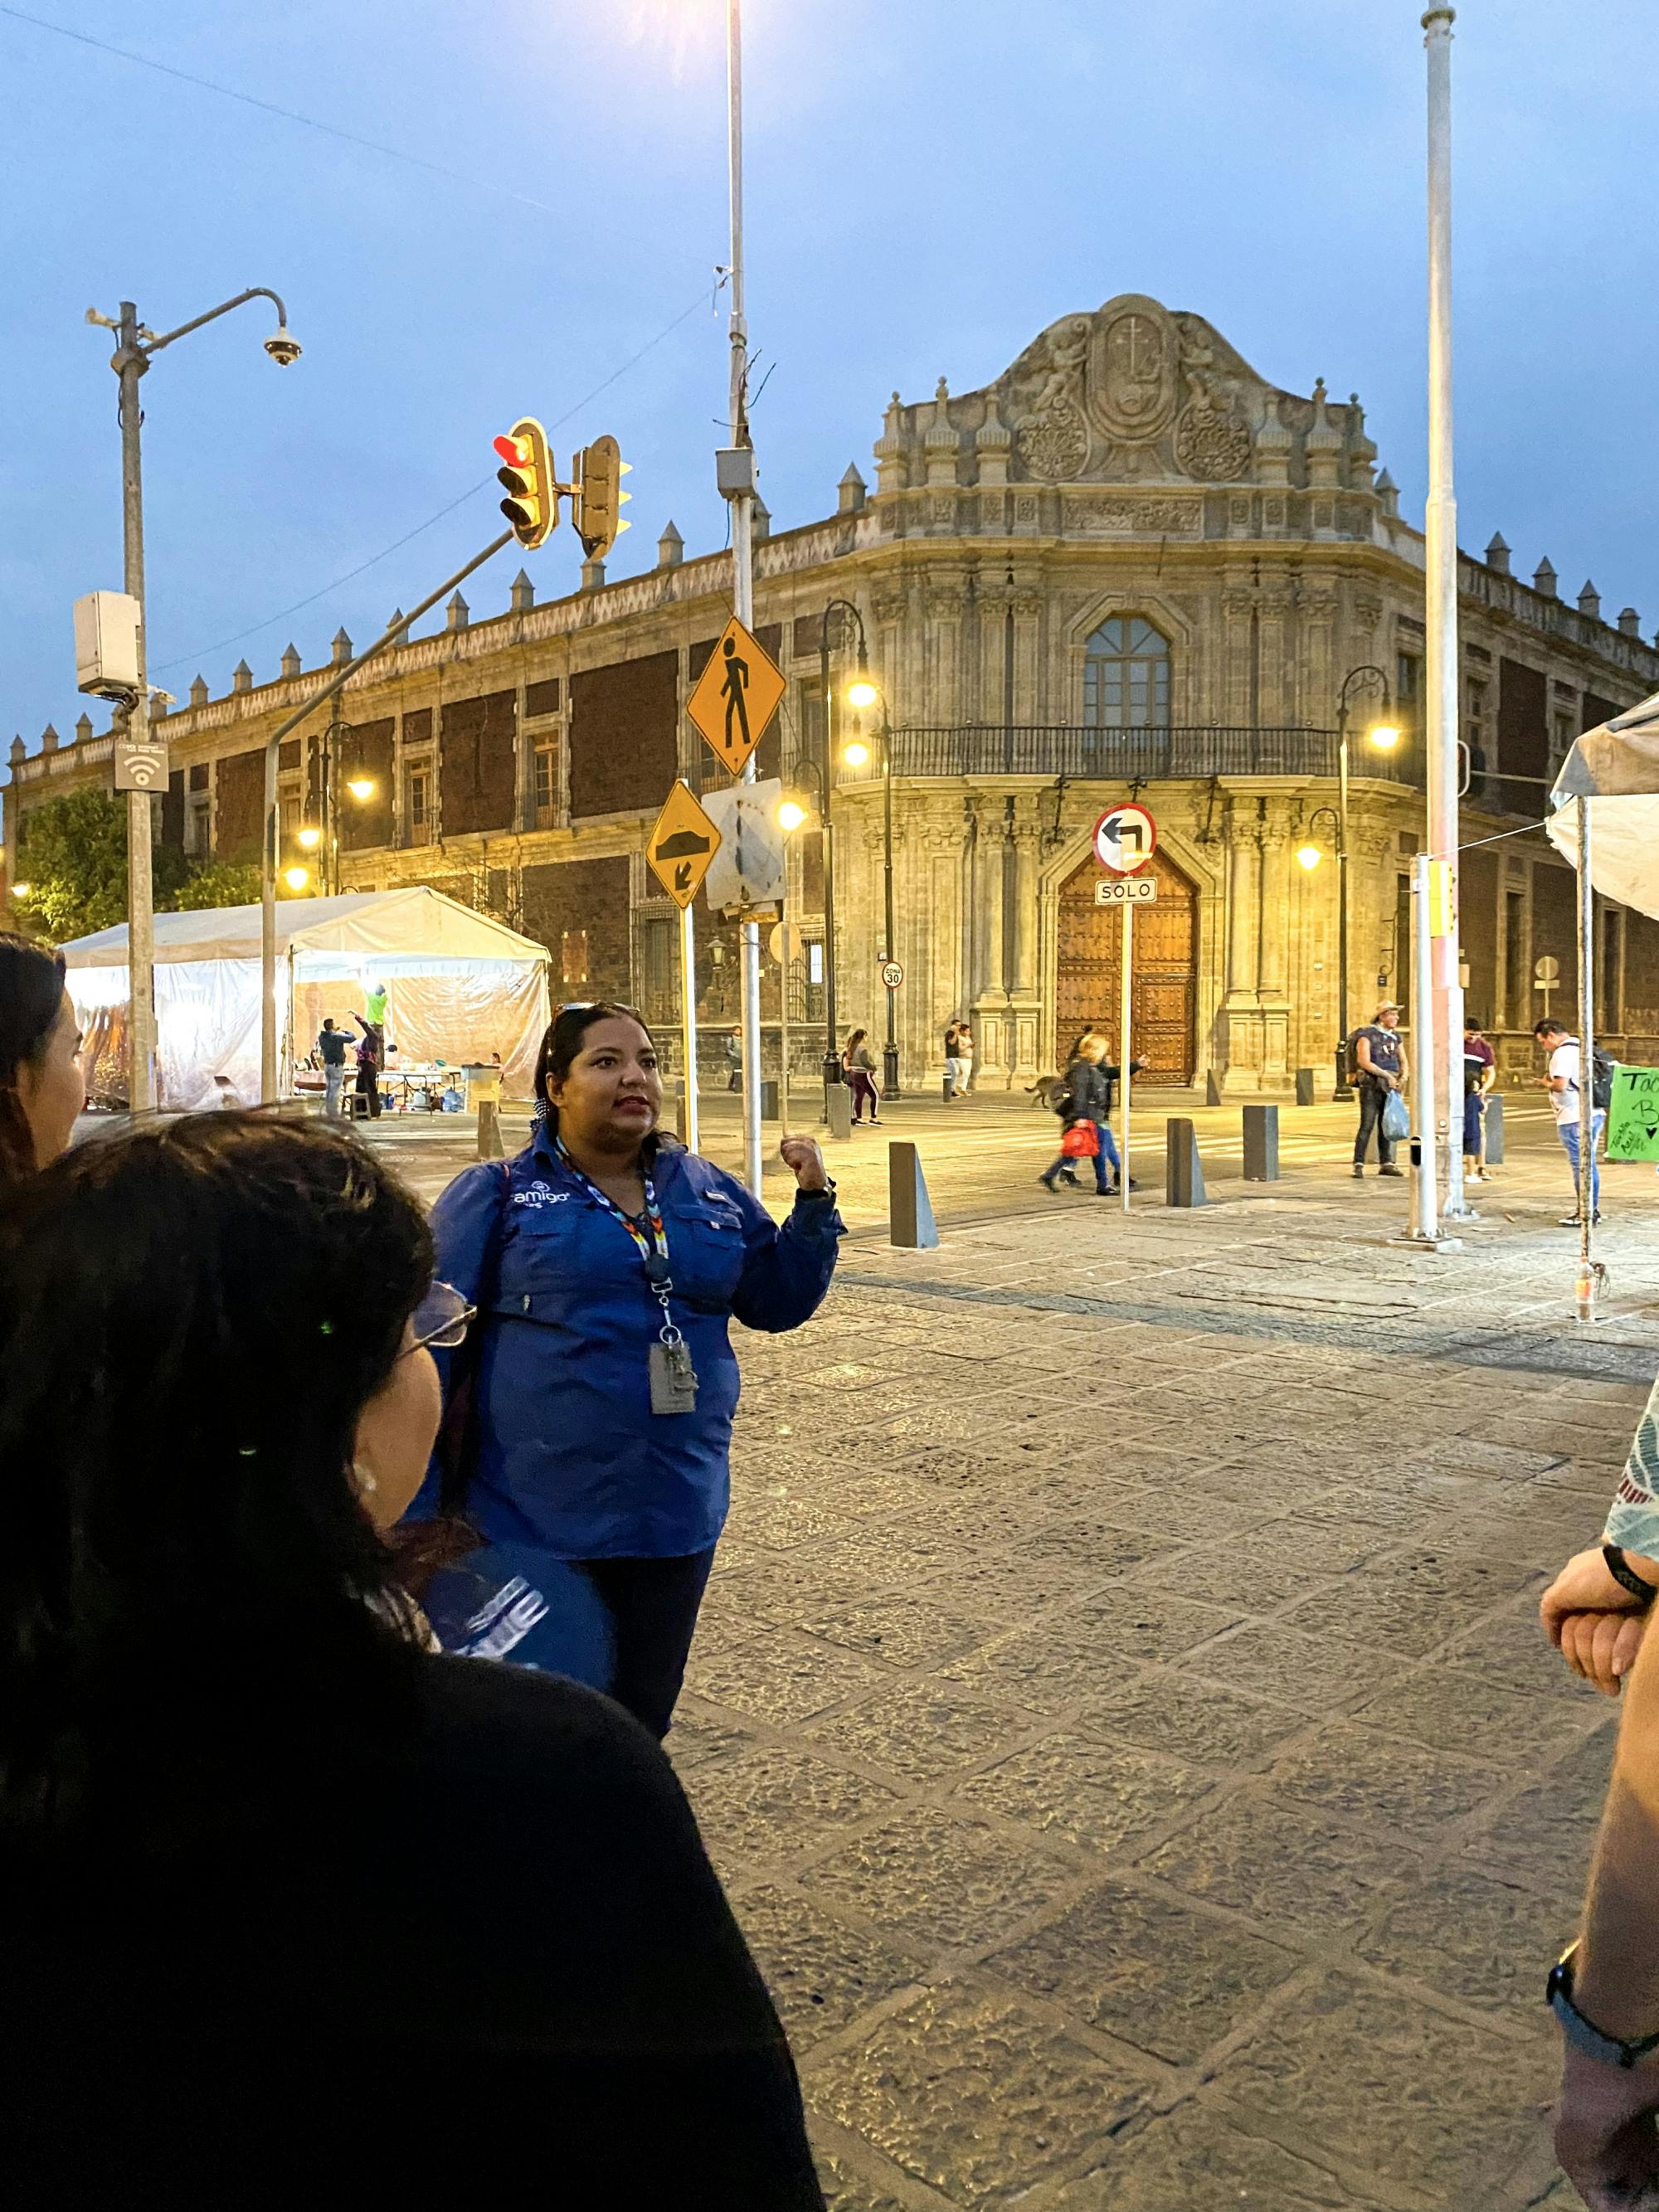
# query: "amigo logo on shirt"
{"type": "Point", "coordinates": [540, 1194]}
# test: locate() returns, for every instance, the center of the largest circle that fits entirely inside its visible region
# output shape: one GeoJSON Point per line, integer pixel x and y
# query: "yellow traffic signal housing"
{"type": "Point", "coordinates": [532, 505]}
{"type": "Point", "coordinates": [599, 498]}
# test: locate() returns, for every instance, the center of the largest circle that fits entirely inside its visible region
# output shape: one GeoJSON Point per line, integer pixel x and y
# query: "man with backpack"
{"type": "Point", "coordinates": [1376, 1057]}
{"type": "Point", "coordinates": [1564, 1082]}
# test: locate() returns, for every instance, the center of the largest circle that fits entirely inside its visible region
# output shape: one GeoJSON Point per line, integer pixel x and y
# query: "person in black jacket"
{"type": "Point", "coordinates": [294, 1904]}
{"type": "Point", "coordinates": [1085, 1104]}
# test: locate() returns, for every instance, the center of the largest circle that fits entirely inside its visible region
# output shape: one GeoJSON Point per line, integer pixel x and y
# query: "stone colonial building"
{"type": "Point", "coordinates": [1129, 567]}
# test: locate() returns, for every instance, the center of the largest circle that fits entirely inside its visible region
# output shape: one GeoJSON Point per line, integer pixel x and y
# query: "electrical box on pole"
{"type": "Point", "coordinates": [106, 646]}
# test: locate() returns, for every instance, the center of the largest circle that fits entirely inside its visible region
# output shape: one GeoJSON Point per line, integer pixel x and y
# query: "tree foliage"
{"type": "Point", "coordinates": [73, 856]}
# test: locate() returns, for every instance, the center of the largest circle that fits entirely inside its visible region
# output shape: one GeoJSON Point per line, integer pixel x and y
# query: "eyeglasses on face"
{"type": "Point", "coordinates": [439, 1321]}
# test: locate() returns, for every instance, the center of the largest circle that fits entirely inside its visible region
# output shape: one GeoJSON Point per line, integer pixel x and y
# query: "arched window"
{"type": "Point", "coordinates": [1125, 676]}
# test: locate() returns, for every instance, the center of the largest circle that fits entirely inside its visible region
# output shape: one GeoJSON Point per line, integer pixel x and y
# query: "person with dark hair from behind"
{"type": "Point", "coordinates": [42, 1088]}
{"type": "Point", "coordinates": [287, 1891]}
{"type": "Point", "coordinates": [592, 1427]}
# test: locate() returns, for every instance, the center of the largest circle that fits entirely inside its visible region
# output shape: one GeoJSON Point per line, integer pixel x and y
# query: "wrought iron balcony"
{"type": "Point", "coordinates": [1146, 754]}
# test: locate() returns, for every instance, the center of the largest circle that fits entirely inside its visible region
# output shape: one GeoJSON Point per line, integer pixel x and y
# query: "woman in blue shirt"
{"type": "Point", "coordinates": [607, 1264]}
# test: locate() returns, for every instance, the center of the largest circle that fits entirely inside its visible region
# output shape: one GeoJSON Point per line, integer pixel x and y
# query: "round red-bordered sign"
{"type": "Point", "coordinates": [1126, 838]}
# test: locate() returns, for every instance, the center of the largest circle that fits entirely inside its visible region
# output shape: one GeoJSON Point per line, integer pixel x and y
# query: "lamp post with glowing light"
{"type": "Point", "coordinates": [1384, 736]}
{"type": "Point", "coordinates": [862, 692]}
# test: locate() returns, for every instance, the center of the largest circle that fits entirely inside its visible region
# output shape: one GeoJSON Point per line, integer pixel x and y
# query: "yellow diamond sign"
{"type": "Point", "coordinates": [682, 845]}
{"type": "Point", "coordinates": [733, 701]}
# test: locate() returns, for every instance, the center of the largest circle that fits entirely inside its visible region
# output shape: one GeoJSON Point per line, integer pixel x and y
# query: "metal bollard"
{"type": "Point", "coordinates": [910, 1222]}
{"type": "Point", "coordinates": [1211, 1088]}
{"type": "Point", "coordinates": [769, 1098]}
{"type": "Point", "coordinates": [838, 1109]}
{"type": "Point", "coordinates": [1305, 1087]}
{"type": "Point", "coordinates": [1183, 1171]}
{"type": "Point", "coordinates": [1491, 1143]}
{"type": "Point", "coordinates": [489, 1130]}
{"type": "Point", "coordinates": [1261, 1144]}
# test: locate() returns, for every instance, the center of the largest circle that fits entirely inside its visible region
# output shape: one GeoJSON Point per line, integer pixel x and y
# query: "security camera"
{"type": "Point", "coordinates": [283, 347]}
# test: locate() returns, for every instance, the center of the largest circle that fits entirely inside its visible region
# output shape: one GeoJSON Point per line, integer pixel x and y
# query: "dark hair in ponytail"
{"type": "Point", "coordinates": [30, 995]}
{"type": "Point", "coordinates": [563, 1042]}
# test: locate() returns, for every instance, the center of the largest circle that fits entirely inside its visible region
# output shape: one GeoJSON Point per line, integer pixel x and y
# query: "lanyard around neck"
{"type": "Point", "coordinates": [650, 1242]}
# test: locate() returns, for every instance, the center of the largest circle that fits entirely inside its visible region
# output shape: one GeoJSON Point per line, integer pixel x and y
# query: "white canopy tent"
{"type": "Point", "coordinates": [1617, 766]}
{"type": "Point", "coordinates": [459, 986]}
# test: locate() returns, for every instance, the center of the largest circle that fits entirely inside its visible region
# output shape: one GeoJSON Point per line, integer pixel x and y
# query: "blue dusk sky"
{"type": "Point", "coordinates": [930, 183]}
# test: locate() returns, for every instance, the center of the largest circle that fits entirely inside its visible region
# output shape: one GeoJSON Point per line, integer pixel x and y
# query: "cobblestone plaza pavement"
{"type": "Point", "coordinates": [1119, 1715]}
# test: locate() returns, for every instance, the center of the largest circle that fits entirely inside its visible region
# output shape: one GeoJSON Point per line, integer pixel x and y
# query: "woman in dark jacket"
{"type": "Point", "coordinates": [607, 1264]}
{"type": "Point", "coordinates": [1088, 1101]}
{"type": "Point", "coordinates": [42, 1089]}
{"type": "Point", "coordinates": [292, 1904]}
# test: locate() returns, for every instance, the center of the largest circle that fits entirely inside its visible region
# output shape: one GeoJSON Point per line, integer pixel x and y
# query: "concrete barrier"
{"type": "Point", "coordinates": [910, 1223]}
{"type": "Point", "coordinates": [1492, 1148]}
{"type": "Point", "coordinates": [838, 1109]}
{"type": "Point", "coordinates": [1183, 1171]}
{"type": "Point", "coordinates": [1261, 1144]}
{"type": "Point", "coordinates": [1305, 1087]}
{"type": "Point", "coordinates": [1211, 1088]}
{"type": "Point", "coordinates": [489, 1130]}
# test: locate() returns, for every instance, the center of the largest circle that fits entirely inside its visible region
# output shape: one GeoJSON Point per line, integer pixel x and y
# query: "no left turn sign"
{"type": "Point", "coordinates": [1126, 838]}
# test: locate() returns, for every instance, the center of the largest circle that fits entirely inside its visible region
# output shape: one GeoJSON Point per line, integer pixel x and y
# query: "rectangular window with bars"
{"type": "Point", "coordinates": [545, 793]}
{"type": "Point", "coordinates": [417, 805]}
{"type": "Point", "coordinates": [573, 963]}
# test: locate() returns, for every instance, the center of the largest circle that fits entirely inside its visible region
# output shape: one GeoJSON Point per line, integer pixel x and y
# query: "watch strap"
{"type": "Point", "coordinates": [1626, 1576]}
{"type": "Point", "coordinates": [1583, 2034]}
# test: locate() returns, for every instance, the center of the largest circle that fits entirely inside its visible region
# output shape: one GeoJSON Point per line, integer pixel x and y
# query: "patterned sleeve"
{"type": "Point", "coordinates": [1633, 1523]}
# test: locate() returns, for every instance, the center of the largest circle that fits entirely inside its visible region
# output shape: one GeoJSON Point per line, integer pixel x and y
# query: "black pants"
{"type": "Point", "coordinates": [368, 1088]}
{"type": "Point", "coordinates": [1371, 1096]}
{"type": "Point", "coordinates": [653, 1605]}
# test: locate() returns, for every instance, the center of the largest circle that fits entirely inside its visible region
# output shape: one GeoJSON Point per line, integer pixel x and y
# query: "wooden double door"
{"type": "Point", "coordinates": [1090, 980]}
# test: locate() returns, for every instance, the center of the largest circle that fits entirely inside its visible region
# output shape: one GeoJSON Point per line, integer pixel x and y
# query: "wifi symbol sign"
{"type": "Point", "coordinates": [141, 768]}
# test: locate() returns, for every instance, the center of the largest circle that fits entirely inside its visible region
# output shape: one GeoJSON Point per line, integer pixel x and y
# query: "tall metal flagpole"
{"type": "Point", "coordinates": [743, 575]}
{"type": "Point", "coordinates": [689, 1021]}
{"type": "Point", "coordinates": [1443, 1033]}
{"type": "Point", "coordinates": [131, 363]}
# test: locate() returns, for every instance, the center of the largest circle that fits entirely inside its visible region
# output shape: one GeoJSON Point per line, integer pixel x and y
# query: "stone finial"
{"type": "Point", "coordinates": [592, 576]}
{"type": "Point", "coordinates": [198, 691]}
{"type": "Point", "coordinates": [1273, 442]}
{"type": "Point", "coordinates": [457, 613]}
{"type": "Point", "coordinates": [341, 650]}
{"type": "Point", "coordinates": [890, 451]}
{"type": "Point", "coordinates": [49, 739]}
{"type": "Point", "coordinates": [671, 548]}
{"type": "Point", "coordinates": [1324, 446]}
{"type": "Point", "coordinates": [523, 596]}
{"type": "Point", "coordinates": [942, 445]}
{"type": "Point", "coordinates": [1362, 447]}
{"type": "Point", "coordinates": [83, 730]}
{"type": "Point", "coordinates": [1388, 492]}
{"type": "Point", "coordinates": [397, 626]}
{"type": "Point", "coordinates": [19, 751]}
{"type": "Point", "coordinates": [1543, 579]}
{"type": "Point", "coordinates": [241, 677]}
{"type": "Point", "coordinates": [1319, 397]}
{"type": "Point", "coordinates": [1630, 623]}
{"type": "Point", "coordinates": [851, 491]}
{"type": "Point", "coordinates": [941, 393]}
{"type": "Point", "coordinates": [291, 663]}
{"type": "Point", "coordinates": [1497, 554]}
{"type": "Point", "coordinates": [760, 519]}
{"type": "Point", "coordinates": [1589, 601]}
{"type": "Point", "coordinates": [993, 443]}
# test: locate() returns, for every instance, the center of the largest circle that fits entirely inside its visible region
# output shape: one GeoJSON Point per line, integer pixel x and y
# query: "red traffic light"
{"type": "Point", "coordinates": [532, 505]}
{"type": "Point", "coordinates": [514, 451]}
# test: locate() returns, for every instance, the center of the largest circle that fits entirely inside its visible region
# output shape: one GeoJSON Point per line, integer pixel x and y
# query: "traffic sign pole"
{"type": "Point", "coordinates": [688, 1020]}
{"type": "Point", "coordinates": [1123, 1023]}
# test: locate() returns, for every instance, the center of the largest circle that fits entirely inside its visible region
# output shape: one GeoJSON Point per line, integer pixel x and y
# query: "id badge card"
{"type": "Point", "coordinates": [673, 1379]}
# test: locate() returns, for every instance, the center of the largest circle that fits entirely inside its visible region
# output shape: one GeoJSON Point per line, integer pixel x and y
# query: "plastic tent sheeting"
{"type": "Point", "coordinates": [459, 987]}
{"type": "Point", "coordinates": [1617, 765]}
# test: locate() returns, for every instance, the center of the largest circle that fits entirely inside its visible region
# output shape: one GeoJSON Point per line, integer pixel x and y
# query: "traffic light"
{"type": "Point", "coordinates": [599, 497]}
{"type": "Point", "coordinates": [532, 505]}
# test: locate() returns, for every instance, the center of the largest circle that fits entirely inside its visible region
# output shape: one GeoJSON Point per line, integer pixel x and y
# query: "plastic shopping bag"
{"type": "Point", "coordinates": [1396, 1118]}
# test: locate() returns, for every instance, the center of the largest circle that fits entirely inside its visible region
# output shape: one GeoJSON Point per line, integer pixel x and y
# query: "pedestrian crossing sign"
{"type": "Point", "coordinates": [733, 701]}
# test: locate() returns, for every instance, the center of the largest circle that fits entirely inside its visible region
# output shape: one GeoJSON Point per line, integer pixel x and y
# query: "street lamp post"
{"type": "Point", "coordinates": [832, 1070]}
{"type": "Point", "coordinates": [862, 692]}
{"type": "Point", "coordinates": [134, 347]}
{"type": "Point", "coordinates": [1367, 676]}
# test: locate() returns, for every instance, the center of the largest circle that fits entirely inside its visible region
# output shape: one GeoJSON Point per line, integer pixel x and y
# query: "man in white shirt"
{"type": "Point", "coordinates": [1565, 1084]}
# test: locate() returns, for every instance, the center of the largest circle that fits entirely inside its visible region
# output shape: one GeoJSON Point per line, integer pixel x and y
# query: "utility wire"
{"type": "Point", "coordinates": [204, 653]}
{"type": "Point", "coordinates": [271, 107]}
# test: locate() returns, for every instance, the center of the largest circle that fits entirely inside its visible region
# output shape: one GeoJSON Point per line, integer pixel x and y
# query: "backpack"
{"type": "Point", "coordinates": [1603, 1068]}
{"type": "Point", "coordinates": [1350, 1052]}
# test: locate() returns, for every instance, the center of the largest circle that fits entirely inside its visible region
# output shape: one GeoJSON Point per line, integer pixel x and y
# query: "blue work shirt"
{"type": "Point", "coordinates": [570, 1458]}
{"type": "Point", "coordinates": [505, 1601]}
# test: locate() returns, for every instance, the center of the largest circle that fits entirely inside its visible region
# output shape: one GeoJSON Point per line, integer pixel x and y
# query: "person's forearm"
{"type": "Point", "coordinates": [1616, 1983]}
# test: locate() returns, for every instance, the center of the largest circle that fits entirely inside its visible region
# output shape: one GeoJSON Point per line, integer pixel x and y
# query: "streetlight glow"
{"type": "Point", "coordinates": [857, 754]}
{"type": "Point", "coordinates": [791, 814]}
{"type": "Point", "coordinates": [1310, 856]}
{"type": "Point", "coordinates": [296, 878]}
{"type": "Point", "coordinates": [1384, 736]}
{"type": "Point", "coordinates": [361, 787]}
{"type": "Point", "coordinates": [310, 838]}
{"type": "Point", "coordinates": [862, 693]}
{"type": "Point", "coordinates": [22, 891]}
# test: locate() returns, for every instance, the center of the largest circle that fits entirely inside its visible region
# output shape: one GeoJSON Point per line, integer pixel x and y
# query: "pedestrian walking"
{"type": "Point", "coordinates": [1565, 1082]}
{"type": "Point", "coordinates": [955, 1076]}
{"type": "Point", "coordinates": [267, 1859]}
{"type": "Point", "coordinates": [1480, 1075]}
{"type": "Point", "coordinates": [1086, 1132]}
{"type": "Point", "coordinates": [42, 1086]}
{"type": "Point", "coordinates": [858, 1066]}
{"type": "Point", "coordinates": [608, 1263]}
{"type": "Point", "coordinates": [369, 1050]}
{"type": "Point", "coordinates": [734, 1062]}
{"type": "Point", "coordinates": [965, 1060]}
{"type": "Point", "coordinates": [332, 1051]}
{"type": "Point", "coordinates": [1379, 1053]}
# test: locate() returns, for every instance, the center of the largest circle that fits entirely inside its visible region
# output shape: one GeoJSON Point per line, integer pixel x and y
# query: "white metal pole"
{"type": "Point", "coordinates": [1443, 1019]}
{"type": "Point", "coordinates": [689, 1021]}
{"type": "Point", "coordinates": [1588, 1272]}
{"type": "Point", "coordinates": [1127, 1002]}
{"type": "Point", "coordinates": [1426, 1212]}
{"type": "Point", "coordinates": [130, 365]}
{"type": "Point", "coordinates": [743, 575]}
{"type": "Point", "coordinates": [784, 966]}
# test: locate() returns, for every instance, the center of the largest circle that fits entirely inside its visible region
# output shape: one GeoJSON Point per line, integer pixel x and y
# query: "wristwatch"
{"type": "Point", "coordinates": [1583, 2033]}
{"type": "Point", "coordinates": [825, 1189]}
{"type": "Point", "coordinates": [1626, 1576]}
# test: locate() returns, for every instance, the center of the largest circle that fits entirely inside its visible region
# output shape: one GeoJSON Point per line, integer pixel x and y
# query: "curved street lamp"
{"type": "Point", "coordinates": [1384, 735]}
